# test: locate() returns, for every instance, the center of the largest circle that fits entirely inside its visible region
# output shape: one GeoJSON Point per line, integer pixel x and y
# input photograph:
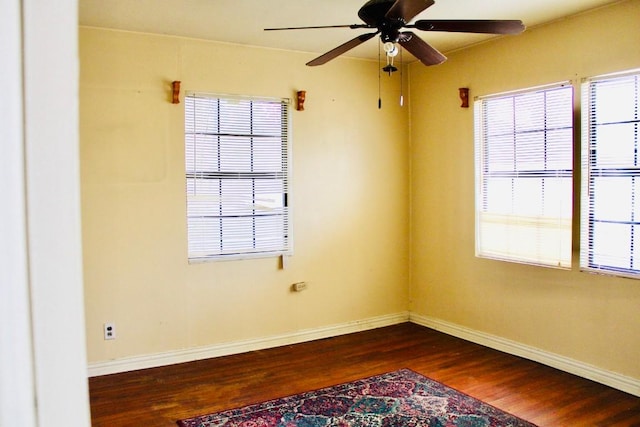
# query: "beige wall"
{"type": "Point", "coordinates": [360, 209]}
{"type": "Point", "coordinates": [589, 318]}
{"type": "Point", "coordinates": [350, 197]}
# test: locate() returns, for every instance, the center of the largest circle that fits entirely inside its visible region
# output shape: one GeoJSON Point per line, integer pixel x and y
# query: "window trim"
{"type": "Point", "coordinates": [287, 195]}
{"type": "Point", "coordinates": [585, 167]}
{"type": "Point", "coordinates": [479, 162]}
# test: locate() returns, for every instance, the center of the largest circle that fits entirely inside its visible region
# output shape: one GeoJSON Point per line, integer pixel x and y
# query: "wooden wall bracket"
{"type": "Point", "coordinates": [302, 94]}
{"type": "Point", "coordinates": [464, 96]}
{"type": "Point", "coordinates": [175, 86]}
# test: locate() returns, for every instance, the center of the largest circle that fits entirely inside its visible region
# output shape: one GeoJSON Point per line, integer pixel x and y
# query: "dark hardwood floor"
{"type": "Point", "coordinates": [535, 392]}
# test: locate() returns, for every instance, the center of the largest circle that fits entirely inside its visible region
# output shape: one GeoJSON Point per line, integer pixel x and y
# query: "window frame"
{"type": "Point", "coordinates": [480, 140]}
{"type": "Point", "coordinates": [589, 173]}
{"type": "Point", "coordinates": [285, 175]}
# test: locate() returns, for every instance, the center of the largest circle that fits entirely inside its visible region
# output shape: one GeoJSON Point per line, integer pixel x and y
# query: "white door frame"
{"type": "Point", "coordinates": [17, 389]}
{"type": "Point", "coordinates": [42, 354]}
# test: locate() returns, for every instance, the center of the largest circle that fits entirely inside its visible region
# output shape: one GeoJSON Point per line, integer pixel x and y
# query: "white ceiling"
{"type": "Point", "coordinates": [243, 21]}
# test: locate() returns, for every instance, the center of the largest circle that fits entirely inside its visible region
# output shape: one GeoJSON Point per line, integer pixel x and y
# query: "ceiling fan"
{"type": "Point", "coordinates": [390, 17]}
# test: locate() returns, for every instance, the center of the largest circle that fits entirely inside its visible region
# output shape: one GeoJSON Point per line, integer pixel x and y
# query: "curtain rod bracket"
{"type": "Point", "coordinates": [175, 86]}
{"type": "Point", "coordinates": [464, 96]}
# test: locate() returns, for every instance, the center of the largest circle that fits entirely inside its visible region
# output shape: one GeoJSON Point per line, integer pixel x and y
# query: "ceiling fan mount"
{"type": "Point", "coordinates": [390, 17]}
{"type": "Point", "coordinates": [390, 31]}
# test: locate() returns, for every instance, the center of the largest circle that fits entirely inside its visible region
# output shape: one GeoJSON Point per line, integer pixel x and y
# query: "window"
{"type": "Point", "coordinates": [237, 175]}
{"type": "Point", "coordinates": [611, 175]}
{"type": "Point", "coordinates": [524, 149]}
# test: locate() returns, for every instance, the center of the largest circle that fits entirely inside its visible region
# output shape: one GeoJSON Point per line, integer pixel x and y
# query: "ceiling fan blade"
{"type": "Point", "coordinates": [427, 54]}
{"type": "Point", "coordinates": [323, 59]}
{"type": "Point", "coordinates": [352, 26]}
{"type": "Point", "coordinates": [487, 26]}
{"type": "Point", "coordinates": [408, 9]}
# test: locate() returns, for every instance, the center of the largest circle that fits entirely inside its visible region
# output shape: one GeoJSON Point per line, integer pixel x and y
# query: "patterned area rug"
{"type": "Point", "coordinates": [397, 399]}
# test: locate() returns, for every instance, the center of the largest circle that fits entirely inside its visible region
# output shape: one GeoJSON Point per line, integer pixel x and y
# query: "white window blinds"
{"type": "Point", "coordinates": [611, 175]}
{"type": "Point", "coordinates": [524, 149]}
{"type": "Point", "coordinates": [237, 175]}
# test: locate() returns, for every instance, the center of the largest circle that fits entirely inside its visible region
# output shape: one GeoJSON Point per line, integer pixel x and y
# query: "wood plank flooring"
{"type": "Point", "coordinates": [537, 393]}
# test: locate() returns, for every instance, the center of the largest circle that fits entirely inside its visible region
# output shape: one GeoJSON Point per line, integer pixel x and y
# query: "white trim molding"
{"type": "Point", "coordinates": [611, 379]}
{"type": "Point", "coordinates": [572, 366]}
{"type": "Point", "coordinates": [226, 349]}
{"type": "Point", "coordinates": [17, 387]}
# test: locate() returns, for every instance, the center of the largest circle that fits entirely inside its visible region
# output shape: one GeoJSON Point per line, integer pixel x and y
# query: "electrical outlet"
{"type": "Point", "coordinates": [299, 287]}
{"type": "Point", "coordinates": [109, 331]}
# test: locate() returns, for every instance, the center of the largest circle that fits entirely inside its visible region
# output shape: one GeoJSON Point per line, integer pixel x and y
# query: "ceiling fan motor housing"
{"type": "Point", "coordinates": [390, 31]}
{"type": "Point", "coordinates": [374, 11]}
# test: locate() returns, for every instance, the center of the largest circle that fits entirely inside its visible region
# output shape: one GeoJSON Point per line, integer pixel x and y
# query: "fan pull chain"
{"type": "Point", "coordinates": [379, 75]}
{"type": "Point", "coordinates": [401, 79]}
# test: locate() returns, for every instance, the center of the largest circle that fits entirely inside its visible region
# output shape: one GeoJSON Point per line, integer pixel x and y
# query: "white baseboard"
{"type": "Point", "coordinates": [188, 355]}
{"type": "Point", "coordinates": [611, 379]}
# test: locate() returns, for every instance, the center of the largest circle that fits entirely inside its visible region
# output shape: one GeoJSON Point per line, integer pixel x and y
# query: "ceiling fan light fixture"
{"type": "Point", "coordinates": [390, 49]}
